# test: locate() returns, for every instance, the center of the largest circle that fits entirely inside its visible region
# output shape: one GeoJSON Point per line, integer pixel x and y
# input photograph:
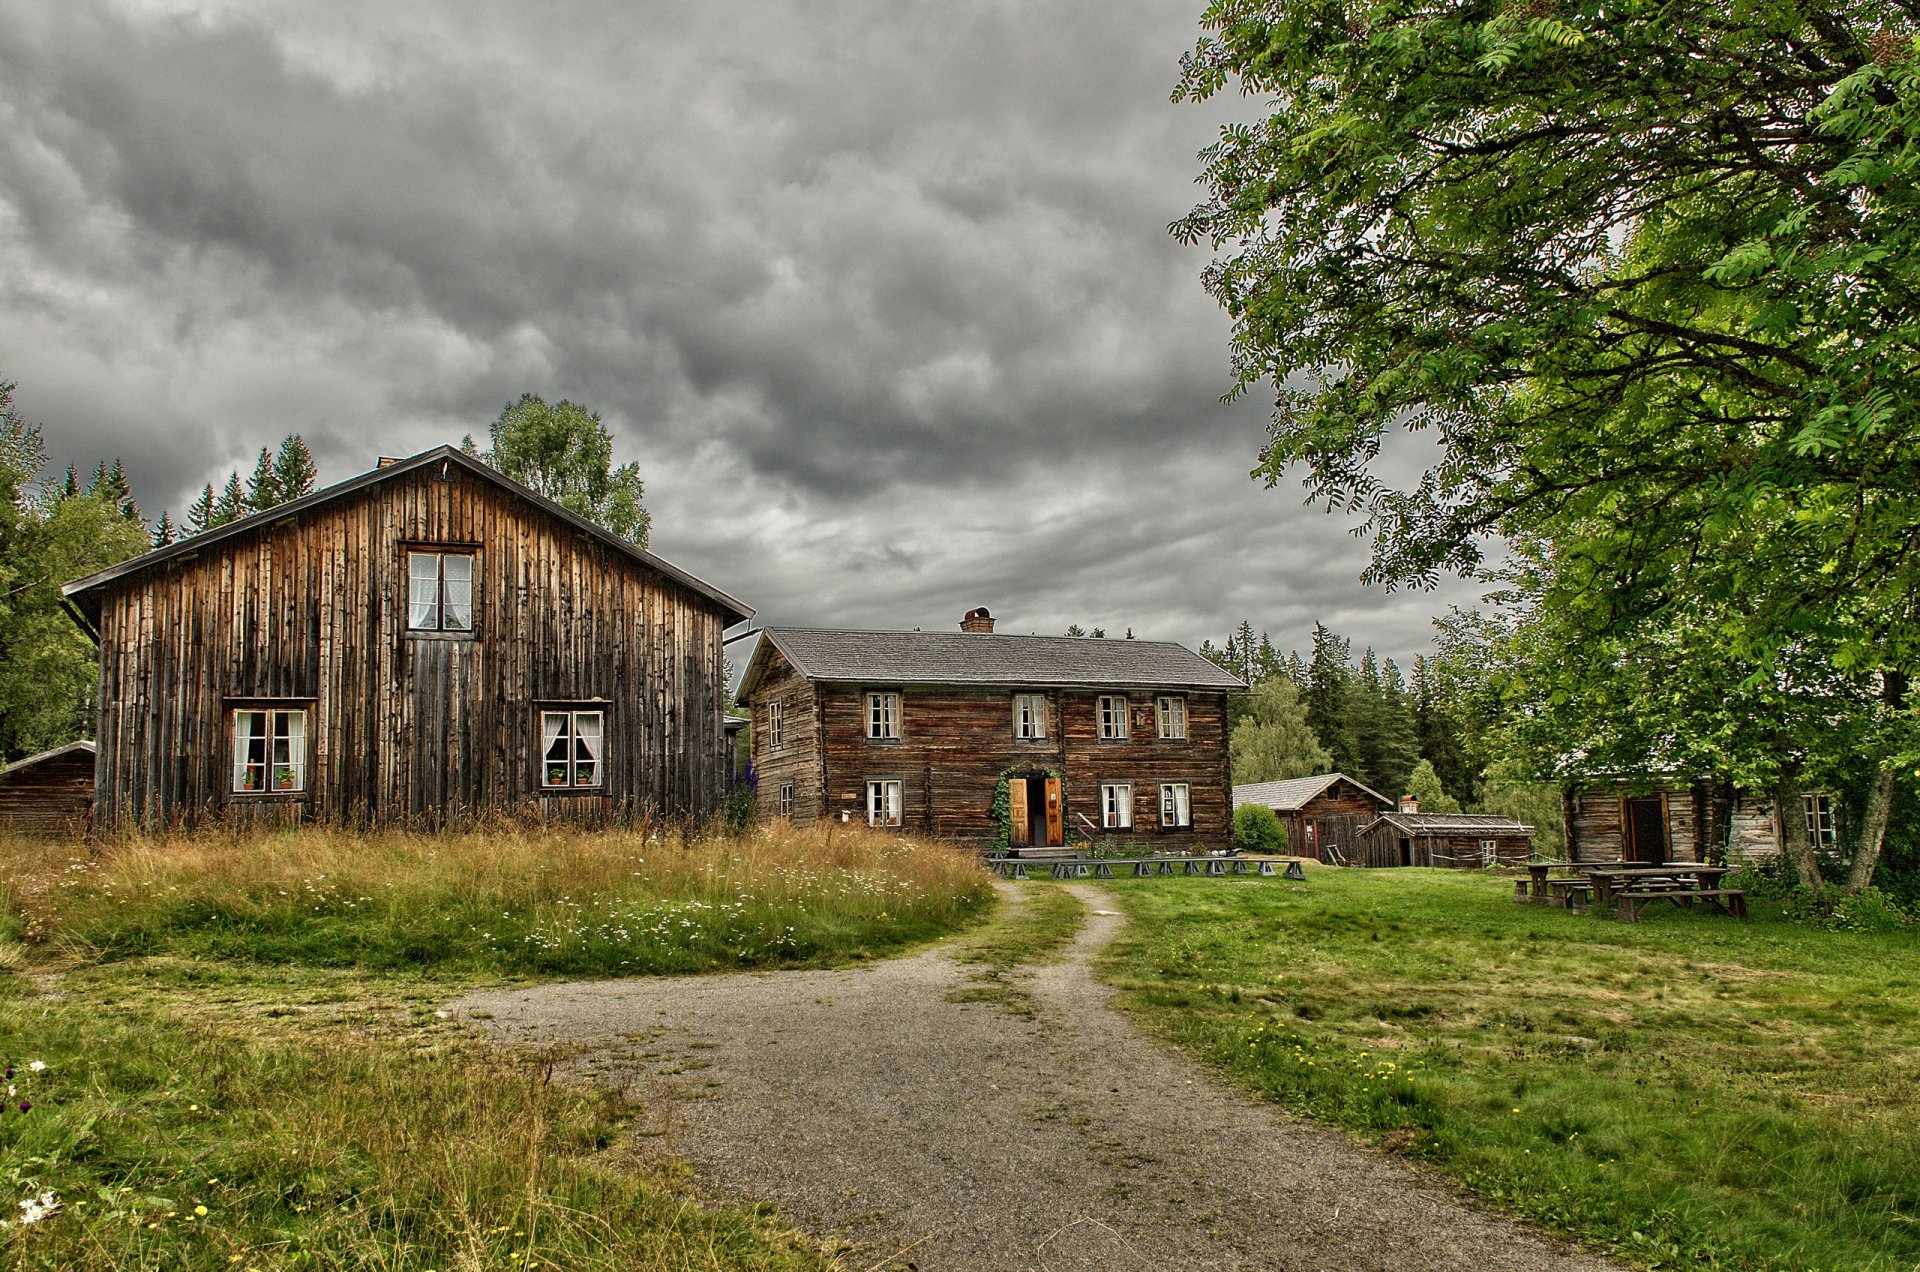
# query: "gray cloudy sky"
{"type": "Point", "coordinates": [880, 295]}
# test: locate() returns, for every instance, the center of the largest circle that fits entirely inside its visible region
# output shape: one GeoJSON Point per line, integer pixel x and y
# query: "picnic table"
{"type": "Point", "coordinates": [1540, 882]}
{"type": "Point", "coordinates": [1627, 889]}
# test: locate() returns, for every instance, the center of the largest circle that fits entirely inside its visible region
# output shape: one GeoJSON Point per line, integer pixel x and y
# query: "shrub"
{"type": "Point", "coordinates": [1837, 910]}
{"type": "Point", "coordinates": [1256, 828]}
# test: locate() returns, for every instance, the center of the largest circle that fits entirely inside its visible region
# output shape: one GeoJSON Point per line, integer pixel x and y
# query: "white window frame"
{"type": "Point", "coordinates": [776, 724]}
{"type": "Point", "coordinates": [1116, 805]}
{"type": "Point", "coordinates": [281, 735]}
{"type": "Point", "coordinates": [883, 717]}
{"type": "Point", "coordinates": [435, 618]}
{"type": "Point", "coordinates": [1176, 805]}
{"type": "Point", "coordinates": [1030, 717]}
{"type": "Point", "coordinates": [1170, 712]}
{"type": "Point", "coordinates": [1823, 831]}
{"type": "Point", "coordinates": [783, 799]}
{"type": "Point", "coordinates": [1113, 712]}
{"type": "Point", "coordinates": [564, 725]}
{"type": "Point", "coordinates": [889, 810]}
{"type": "Point", "coordinates": [1489, 852]}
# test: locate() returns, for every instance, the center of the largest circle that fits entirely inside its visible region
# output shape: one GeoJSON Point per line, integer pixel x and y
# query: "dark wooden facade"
{"type": "Point", "coordinates": [306, 607]}
{"type": "Point", "coordinates": [50, 793]}
{"type": "Point", "coordinates": [956, 742]}
{"type": "Point", "coordinates": [1458, 841]}
{"type": "Point", "coordinates": [1324, 825]}
{"type": "Point", "coordinates": [1668, 820]}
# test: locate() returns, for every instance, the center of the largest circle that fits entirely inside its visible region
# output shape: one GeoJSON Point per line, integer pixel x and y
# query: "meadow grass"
{"type": "Point", "coordinates": [244, 1067]}
{"type": "Point", "coordinates": [509, 899]}
{"type": "Point", "coordinates": [1688, 1091]}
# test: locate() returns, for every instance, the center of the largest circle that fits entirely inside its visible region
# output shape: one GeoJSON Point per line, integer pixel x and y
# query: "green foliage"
{"type": "Point", "coordinates": [1001, 810]}
{"type": "Point", "coordinates": [1424, 785]}
{"type": "Point", "coordinates": [1273, 740]}
{"type": "Point", "coordinates": [1837, 910]}
{"type": "Point", "coordinates": [565, 453]}
{"type": "Point", "coordinates": [1256, 828]}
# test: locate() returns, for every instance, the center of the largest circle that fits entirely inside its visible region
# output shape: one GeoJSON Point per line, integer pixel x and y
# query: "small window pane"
{"type": "Point", "coordinates": [423, 590]}
{"type": "Point", "coordinates": [457, 569]}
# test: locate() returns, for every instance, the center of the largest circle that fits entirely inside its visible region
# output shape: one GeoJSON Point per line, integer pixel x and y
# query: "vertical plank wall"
{"type": "Point", "coordinates": [408, 727]}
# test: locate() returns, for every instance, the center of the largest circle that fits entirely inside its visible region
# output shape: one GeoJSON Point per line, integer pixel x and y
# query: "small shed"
{"type": "Point", "coordinates": [1323, 814]}
{"type": "Point", "coordinates": [50, 793]}
{"type": "Point", "coordinates": [1458, 840]}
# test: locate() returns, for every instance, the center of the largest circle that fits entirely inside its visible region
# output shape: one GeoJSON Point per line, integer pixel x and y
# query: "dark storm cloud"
{"type": "Point", "coordinates": [881, 297]}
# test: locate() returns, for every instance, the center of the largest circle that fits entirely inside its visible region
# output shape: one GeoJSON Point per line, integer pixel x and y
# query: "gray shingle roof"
{"type": "Point", "coordinates": [1455, 823]}
{"type": "Point", "coordinates": [1291, 794]}
{"type": "Point", "coordinates": [969, 658]}
{"type": "Point", "coordinates": [44, 756]}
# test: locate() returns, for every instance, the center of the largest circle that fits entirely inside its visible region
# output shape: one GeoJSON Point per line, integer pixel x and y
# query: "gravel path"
{"type": "Point", "coordinates": [1044, 1132]}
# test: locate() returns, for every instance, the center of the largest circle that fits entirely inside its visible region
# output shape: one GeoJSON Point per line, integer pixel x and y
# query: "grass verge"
{"type": "Point", "coordinates": [1688, 1091]}
{"type": "Point", "coordinates": [1036, 928]}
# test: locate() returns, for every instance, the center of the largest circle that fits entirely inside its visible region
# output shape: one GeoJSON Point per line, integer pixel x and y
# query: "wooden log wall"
{"type": "Point", "coordinates": [798, 760]}
{"type": "Point", "coordinates": [955, 743]}
{"type": "Point", "coordinates": [1338, 815]}
{"type": "Point", "coordinates": [407, 726]}
{"type": "Point", "coordinates": [52, 797]}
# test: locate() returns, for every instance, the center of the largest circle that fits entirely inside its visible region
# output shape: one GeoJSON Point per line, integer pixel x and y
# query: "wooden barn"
{"type": "Point", "coordinates": [966, 734]}
{"type": "Point", "coordinates": [1323, 815]}
{"type": "Point", "coordinates": [1654, 820]}
{"type": "Point", "coordinates": [1462, 841]}
{"type": "Point", "coordinates": [425, 642]}
{"type": "Point", "coordinates": [50, 793]}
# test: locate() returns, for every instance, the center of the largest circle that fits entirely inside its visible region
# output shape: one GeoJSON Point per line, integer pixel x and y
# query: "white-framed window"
{"type": "Point", "coordinates": [785, 799]}
{"type": "Point", "coordinates": [269, 750]}
{"type": "Point", "coordinates": [1176, 804]}
{"type": "Point", "coordinates": [776, 724]}
{"type": "Point", "coordinates": [883, 717]}
{"type": "Point", "coordinates": [883, 802]}
{"type": "Point", "coordinates": [1030, 716]}
{"type": "Point", "coordinates": [1116, 805]}
{"type": "Point", "coordinates": [1113, 716]}
{"type": "Point", "coordinates": [440, 591]}
{"type": "Point", "coordinates": [1171, 710]}
{"type": "Point", "coordinates": [1489, 852]}
{"type": "Point", "coordinates": [1822, 830]}
{"type": "Point", "coordinates": [572, 749]}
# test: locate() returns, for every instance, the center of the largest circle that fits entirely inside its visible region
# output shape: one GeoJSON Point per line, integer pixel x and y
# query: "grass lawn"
{"type": "Point", "coordinates": [243, 1067]}
{"type": "Point", "coordinates": [1689, 1091]}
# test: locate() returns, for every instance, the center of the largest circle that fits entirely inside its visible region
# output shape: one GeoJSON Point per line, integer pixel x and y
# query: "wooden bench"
{"type": "Point", "coordinates": [1143, 867]}
{"type": "Point", "coordinates": [1627, 905]}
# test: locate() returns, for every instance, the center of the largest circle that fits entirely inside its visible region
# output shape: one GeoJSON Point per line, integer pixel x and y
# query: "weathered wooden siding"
{"type": "Point", "coordinates": [1754, 830]}
{"type": "Point", "coordinates": [956, 742]}
{"type": "Point", "coordinates": [1381, 847]}
{"type": "Point", "coordinates": [798, 759]}
{"type": "Point", "coordinates": [52, 797]}
{"type": "Point", "coordinates": [1596, 822]}
{"type": "Point", "coordinates": [1336, 817]}
{"type": "Point", "coordinates": [408, 726]}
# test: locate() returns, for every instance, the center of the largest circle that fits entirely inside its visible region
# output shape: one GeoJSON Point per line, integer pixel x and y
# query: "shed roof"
{"type": "Point", "coordinates": [1290, 795]}
{"type": "Point", "coordinates": [85, 592]}
{"type": "Point", "coordinates": [44, 756]}
{"type": "Point", "coordinates": [1485, 825]}
{"type": "Point", "coordinates": [976, 658]}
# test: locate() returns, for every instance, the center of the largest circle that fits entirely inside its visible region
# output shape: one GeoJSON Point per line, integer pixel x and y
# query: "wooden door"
{"type": "Point", "coordinates": [1056, 815]}
{"type": "Point", "coordinates": [1646, 822]}
{"type": "Point", "coordinates": [1019, 823]}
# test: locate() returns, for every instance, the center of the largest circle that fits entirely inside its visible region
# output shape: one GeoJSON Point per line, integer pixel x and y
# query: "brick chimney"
{"type": "Point", "coordinates": [1408, 804]}
{"type": "Point", "coordinates": [978, 621]}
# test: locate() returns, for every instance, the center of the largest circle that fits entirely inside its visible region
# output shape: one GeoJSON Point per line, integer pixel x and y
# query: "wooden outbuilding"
{"type": "Point", "coordinates": [50, 793]}
{"type": "Point", "coordinates": [1448, 840]}
{"type": "Point", "coordinates": [1030, 741]}
{"type": "Point", "coordinates": [1651, 820]}
{"type": "Point", "coordinates": [425, 642]}
{"type": "Point", "coordinates": [1323, 815]}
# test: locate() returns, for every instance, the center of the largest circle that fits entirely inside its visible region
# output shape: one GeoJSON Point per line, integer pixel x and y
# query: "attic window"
{"type": "Point", "coordinates": [439, 591]}
{"type": "Point", "coordinates": [1030, 717]}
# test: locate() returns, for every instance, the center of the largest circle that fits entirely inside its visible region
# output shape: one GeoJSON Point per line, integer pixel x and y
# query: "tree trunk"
{"type": "Point", "coordinates": [1873, 826]}
{"type": "Point", "coordinates": [1795, 841]}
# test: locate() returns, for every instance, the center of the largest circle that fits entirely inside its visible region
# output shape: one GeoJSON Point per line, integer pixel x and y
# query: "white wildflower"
{"type": "Point", "coordinates": [34, 1209]}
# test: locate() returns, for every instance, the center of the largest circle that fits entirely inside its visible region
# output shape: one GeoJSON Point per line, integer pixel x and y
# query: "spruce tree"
{"type": "Point", "coordinates": [164, 533]}
{"type": "Point", "coordinates": [263, 488]}
{"type": "Point", "coordinates": [294, 473]}
{"type": "Point", "coordinates": [200, 513]}
{"type": "Point", "coordinates": [232, 503]}
{"type": "Point", "coordinates": [1328, 675]}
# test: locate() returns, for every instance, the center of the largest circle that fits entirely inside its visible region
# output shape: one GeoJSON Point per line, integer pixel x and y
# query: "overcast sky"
{"type": "Point", "coordinates": [880, 295]}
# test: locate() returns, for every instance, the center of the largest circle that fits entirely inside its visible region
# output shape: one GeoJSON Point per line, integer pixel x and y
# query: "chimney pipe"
{"type": "Point", "coordinates": [978, 621]}
{"type": "Point", "coordinates": [1408, 804]}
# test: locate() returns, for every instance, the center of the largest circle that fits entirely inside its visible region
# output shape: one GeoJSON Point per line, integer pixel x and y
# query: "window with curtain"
{"type": "Point", "coordinates": [440, 591]}
{"type": "Point", "coordinates": [571, 749]}
{"type": "Point", "coordinates": [1176, 805]}
{"type": "Point", "coordinates": [883, 802]}
{"type": "Point", "coordinates": [1116, 806]}
{"type": "Point", "coordinates": [1030, 717]}
{"type": "Point", "coordinates": [883, 716]}
{"type": "Point", "coordinates": [269, 750]}
{"type": "Point", "coordinates": [1113, 717]}
{"type": "Point", "coordinates": [1173, 717]}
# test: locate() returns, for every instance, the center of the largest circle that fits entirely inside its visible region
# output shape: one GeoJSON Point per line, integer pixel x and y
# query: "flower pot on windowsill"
{"type": "Point", "coordinates": [283, 780]}
{"type": "Point", "coordinates": [556, 777]}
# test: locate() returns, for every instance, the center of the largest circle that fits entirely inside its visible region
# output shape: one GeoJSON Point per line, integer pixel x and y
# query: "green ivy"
{"type": "Point", "coordinates": [1003, 803]}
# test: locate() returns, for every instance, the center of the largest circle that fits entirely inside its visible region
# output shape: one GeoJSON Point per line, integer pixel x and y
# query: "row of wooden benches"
{"type": "Point", "coordinates": [1143, 867]}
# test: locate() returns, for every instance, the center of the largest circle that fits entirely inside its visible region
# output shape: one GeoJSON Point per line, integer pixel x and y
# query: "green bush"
{"type": "Point", "coordinates": [1257, 829]}
{"type": "Point", "coordinates": [1836, 910]}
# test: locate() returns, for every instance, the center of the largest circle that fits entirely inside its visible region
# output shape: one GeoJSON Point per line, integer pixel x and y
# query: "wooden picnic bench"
{"type": "Point", "coordinates": [1627, 890]}
{"type": "Point", "coordinates": [1141, 867]}
{"type": "Point", "coordinates": [1542, 886]}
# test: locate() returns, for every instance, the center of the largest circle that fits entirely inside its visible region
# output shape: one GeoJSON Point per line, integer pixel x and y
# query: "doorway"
{"type": "Point", "coordinates": [1646, 823]}
{"type": "Point", "coordinates": [1035, 817]}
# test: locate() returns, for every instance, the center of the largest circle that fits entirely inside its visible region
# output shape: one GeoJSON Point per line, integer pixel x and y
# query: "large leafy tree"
{"type": "Point", "coordinates": [1273, 740]}
{"type": "Point", "coordinates": [564, 452]}
{"type": "Point", "coordinates": [1647, 272]}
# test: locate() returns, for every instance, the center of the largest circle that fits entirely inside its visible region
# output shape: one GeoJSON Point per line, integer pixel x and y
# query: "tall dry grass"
{"type": "Point", "coordinates": [507, 897]}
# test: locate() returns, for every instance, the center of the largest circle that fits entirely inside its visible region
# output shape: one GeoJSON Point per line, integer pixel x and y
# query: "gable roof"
{"type": "Point", "coordinates": [44, 756]}
{"type": "Point", "coordinates": [1292, 794]}
{"type": "Point", "coordinates": [84, 592]}
{"type": "Point", "coordinates": [976, 658]}
{"type": "Point", "coordinates": [1483, 824]}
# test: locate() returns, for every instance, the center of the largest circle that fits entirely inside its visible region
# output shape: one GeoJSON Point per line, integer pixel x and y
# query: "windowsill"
{"type": "Point", "coordinates": [573, 790]}
{"type": "Point", "coordinates": [422, 633]}
{"type": "Point", "coordinates": [265, 797]}
{"type": "Point", "coordinates": [1126, 739]}
{"type": "Point", "coordinates": [883, 741]}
